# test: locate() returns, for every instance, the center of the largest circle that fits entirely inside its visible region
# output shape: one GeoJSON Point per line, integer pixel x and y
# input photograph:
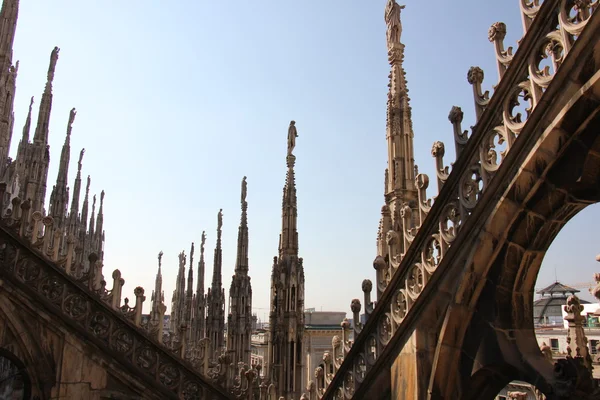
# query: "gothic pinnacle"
{"type": "Point", "coordinates": [241, 264]}
{"type": "Point", "coordinates": [288, 240]}
{"type": "Point", "coordinates": [41, 131]}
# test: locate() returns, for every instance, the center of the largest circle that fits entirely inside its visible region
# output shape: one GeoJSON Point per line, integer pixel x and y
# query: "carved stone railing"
{"type": "Point", "coordinates": [29, 261]}
{"type": "Point", "coordinates": [551, 30]}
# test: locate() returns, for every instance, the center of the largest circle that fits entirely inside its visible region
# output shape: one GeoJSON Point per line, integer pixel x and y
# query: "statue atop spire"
{"type": "Point", "coordinates": [220, 220]}
{"type": "Point", "coordinates": [80, 162]}
{"type": "Point", "coordinates": [52, 66]}
{"type": "Point", "coordinates": [286, 317]}
{"type": "Point", "coordinates": [203, 242]}
{"type": "Point", "coordinates": [244, 189]}
{"type": "Point", "coordinates": [292, 135]}
{"type": "Point", "coordinates": [71, 120]}
{"type": "Point", "coordinates": [239, 320]}
{"type": "Point", "coordinates": [394, 25]}
{"type": "Point", "coordinates": [160, 259]}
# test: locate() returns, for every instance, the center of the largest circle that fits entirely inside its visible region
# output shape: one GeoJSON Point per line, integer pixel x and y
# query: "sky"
{"type": "Point", "coordinates": [177, 101]}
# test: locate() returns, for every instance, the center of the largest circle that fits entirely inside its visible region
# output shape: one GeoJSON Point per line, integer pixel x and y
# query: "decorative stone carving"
{"type": "Point", "coordinates": [393, 22]}
{"type": "Point", "coordinates": [292, 135]}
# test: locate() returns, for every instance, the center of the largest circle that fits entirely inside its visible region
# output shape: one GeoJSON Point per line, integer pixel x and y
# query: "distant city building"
{"type": "Point", "coordinates": [547, 310]}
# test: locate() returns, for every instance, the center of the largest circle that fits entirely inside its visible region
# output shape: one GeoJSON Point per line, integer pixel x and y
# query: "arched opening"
{"type": "Point", "coordinates": [15, 383]}
{"type": "Point", "coordinates": [568, 269]}
{"type": "Point", "coordinates": [490, 320]}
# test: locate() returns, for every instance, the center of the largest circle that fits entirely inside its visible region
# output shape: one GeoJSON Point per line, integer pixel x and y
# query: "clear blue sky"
{"type": "Point", "coordinates": [177, 101]}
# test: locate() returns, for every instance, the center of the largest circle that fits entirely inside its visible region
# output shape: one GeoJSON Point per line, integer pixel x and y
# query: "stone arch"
{"type": "Point", "coordinates": [25, 348]}
{"type": "Point", "coordinates": [557, 177]}
{"type": "Point", "coordinates": [14, 379]}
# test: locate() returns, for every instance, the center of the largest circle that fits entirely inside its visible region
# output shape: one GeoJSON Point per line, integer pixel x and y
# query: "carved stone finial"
{"type": "Point", "coordinates": [367, 285]}
{"type": "Point", "coordinates": [220, 220]}
{"type": "Point", "coordinates": [456, 115]}
{"type": "Point", "coordinates": [475, 75]}
{"type": "Point", "coordinates": [577, 341]}
{"type": "Point", "coordinates": [30, 105]}
{"type": "Point", "coordinates": [379, 263]}
{"type": "Point", "coordinates": [345, 324]}
{"type": "Point", "coordinates": [497, 31]}
{"type": "Point", "coordinates": [355, 306]}
{"type": "Point", "coordinates": [438, 149]}
{"type": "Point", "coordinates": [160, 259]}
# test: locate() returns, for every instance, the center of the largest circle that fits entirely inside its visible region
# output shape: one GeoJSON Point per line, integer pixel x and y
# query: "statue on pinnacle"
{"type": "Point", "coordinates": [392, 20]}
{"type": "Point", "coordinates": [244, 190]}
{"type": "Point", "coordinates": [292, 135]}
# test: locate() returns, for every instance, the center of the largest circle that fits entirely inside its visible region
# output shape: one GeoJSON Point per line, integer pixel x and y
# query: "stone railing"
{"type": "Point", "coordinates": [76, 294]}
{"type": "Point", "coordinates": [551, 30]}
{"type": "Point", "coordinates": [42, 260]}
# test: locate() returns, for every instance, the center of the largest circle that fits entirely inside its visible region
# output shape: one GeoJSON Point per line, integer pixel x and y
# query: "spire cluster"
{"type": "Point", "coordinates": [26, 176]}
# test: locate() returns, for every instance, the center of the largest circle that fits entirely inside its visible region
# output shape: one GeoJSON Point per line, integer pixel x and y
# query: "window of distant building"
{"type": "Point", "coordinates": [554, 344]}
{"type": "Point", "coordinates": [593, 344]}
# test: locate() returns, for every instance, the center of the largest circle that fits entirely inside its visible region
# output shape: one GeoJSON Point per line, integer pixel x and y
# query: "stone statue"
{"type": "Point", "coordinates": [52, 66]}
{"type": "Point", "coordinates": [72, 116]}
{"type": "Point", "coordinates": [392, 20]}
{"type": "Point", "coordinates": [79, 163]}
{"type": "Point", "coordinates": [244, 190]}
{"type": "Point", "coordinates": [160, 258]}
{"type": "Point", "coordinates": [292, 135]}
{"type": "Point", "coordinates": [220, 219]}
{"type": "Point", "coordinates": [203, 241]}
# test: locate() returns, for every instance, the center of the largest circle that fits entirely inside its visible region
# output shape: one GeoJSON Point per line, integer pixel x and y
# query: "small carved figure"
{"type": "Point", "coordinates": [220, 219]}
{"type": "Point", "coordinates": [160, 258]}
{"type": "Point", "coordinates": [392, 20]}
{"type": "Point", "coordinates": [72, 117]}
{"type": "Point", "coordinates": [292, 135]}
{"type": "Point", "coordinates": [203, 241]}
{"type": "Point", "coordinates": [79, 163]}
{"type": "Point", "coordinates": [52, 66]}
{"type": "Point", "coordinates": [244, 190]}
